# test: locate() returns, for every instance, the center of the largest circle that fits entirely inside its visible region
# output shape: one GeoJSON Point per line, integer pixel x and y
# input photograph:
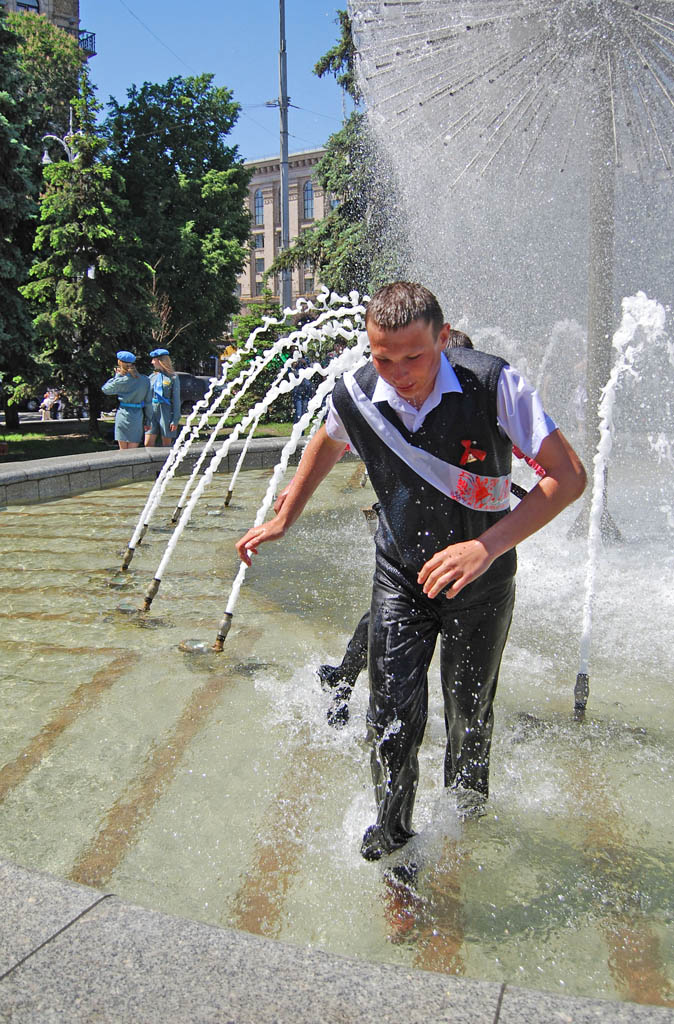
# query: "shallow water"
{"type": "Point", "coordinates": [211, 785]}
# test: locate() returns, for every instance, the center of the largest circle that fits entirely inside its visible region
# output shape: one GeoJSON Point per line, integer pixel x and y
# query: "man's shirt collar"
{"type": "Point", "coordinates": [445, 381]}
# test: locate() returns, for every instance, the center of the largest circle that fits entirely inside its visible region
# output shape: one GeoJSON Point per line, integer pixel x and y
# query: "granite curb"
{"type": "Point", "coordinates": [72, 953]}
{"type": "Point", "coordinates": [24, 483]}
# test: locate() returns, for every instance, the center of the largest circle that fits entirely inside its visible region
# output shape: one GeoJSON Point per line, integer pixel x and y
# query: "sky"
{"type": "Point", "coordinates": [235, 40]}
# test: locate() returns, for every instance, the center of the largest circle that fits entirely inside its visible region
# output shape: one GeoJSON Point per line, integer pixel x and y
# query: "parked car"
{"type": "Point", "coordinates": [192, 388]}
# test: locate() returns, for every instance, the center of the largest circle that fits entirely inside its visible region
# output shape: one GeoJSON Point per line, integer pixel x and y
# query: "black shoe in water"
{"type": "Point", "coordinates": [403, 874]}
{"type": "Point", "coordinates": [338, 712]}
{"type": "Point", "coordinates": [373, 847]}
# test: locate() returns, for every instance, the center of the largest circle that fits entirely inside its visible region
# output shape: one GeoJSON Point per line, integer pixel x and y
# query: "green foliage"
{"type": "Point", "coordinates": [354, 246]}
{"type": "Point", "coordinates": [187, 192]}
{"type": "Point", "coordinates": [17, 217]}
{"type": "Point", "coordinates": [89, 289]}
{"type": "Point", "coordinates": [340, 61]}
{"type": "Point", "coordinates": [51, 62]}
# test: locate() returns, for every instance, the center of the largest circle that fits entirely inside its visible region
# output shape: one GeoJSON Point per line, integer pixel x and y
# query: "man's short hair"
{"type": "Point", "coordinates": [400, 304]}
{"type": "Point", "coordinates": [457, 339]}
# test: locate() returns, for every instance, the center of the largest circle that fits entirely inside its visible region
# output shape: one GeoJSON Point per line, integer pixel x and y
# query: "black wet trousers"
{"type": "Point", "coordinates": [355, 656]}
{"type": "Point", "coordinates": [404, 627]}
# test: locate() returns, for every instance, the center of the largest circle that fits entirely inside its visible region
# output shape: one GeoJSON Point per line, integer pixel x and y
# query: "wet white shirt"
{"type": "Point", "coordinates": [519, 409]}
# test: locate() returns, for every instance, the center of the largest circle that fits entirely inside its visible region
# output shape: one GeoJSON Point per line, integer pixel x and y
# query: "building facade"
{"type": "Point", "coordinates": [63, 13]}
{"type": "Point", "coordinates": [307, 204]}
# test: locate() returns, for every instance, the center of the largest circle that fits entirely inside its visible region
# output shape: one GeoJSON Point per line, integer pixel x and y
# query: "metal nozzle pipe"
{"type": "Point", "coordinates": [176, 514]}
{"type": "Point", "coordinates": [224, 629]}
{"type": "Point", "coordinates": [151, 591]}
{"type": "Point", "coordinates": [581, 692]}
{"type": "Point", "coordinates": [127, 558]}
{"type": "Point", "coordinates": [228, 498]}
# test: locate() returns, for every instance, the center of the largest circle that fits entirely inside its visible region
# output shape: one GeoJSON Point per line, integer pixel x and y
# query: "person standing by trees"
{"type": "Point", "coordinates": [165, 400]}
{"type": "Point", "coordinates": [135, 401]}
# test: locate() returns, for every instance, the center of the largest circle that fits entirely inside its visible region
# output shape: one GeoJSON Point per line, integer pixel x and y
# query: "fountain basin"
{"type": "Point", "coordinates": [214, 789]}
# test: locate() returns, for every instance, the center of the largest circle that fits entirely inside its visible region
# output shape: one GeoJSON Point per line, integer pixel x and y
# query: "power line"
{"type": "Point", "coordinates": [155, 36]}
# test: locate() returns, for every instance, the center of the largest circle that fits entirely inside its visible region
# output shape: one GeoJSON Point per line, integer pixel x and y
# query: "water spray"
{"type": "Point", "coordinates": [205, 407]}
{"type": "Point", "coordinates": [350, 359]}
{"type": "Point", "coordinates": [242, 458]}
{"type": "Point", "coordinates": [638, 312]}
{"type": "Point", "coordinates": [328, 329]}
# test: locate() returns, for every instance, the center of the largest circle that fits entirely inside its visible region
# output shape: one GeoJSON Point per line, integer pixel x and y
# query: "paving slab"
{"type": "Point", "coordinates": [34, 908]}
{"type": "Point", "coordinates": [119, 963]}
{"type": "Point", "coordinates": [523, 1006]}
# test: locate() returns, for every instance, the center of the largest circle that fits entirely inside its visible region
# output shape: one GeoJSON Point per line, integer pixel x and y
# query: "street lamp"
{"type": "Point", "coordinates": [46, 159]}
{"type": "Point", "coordinates": [70, 153]}
{"type": "Point", "coordinates": [72, 156]}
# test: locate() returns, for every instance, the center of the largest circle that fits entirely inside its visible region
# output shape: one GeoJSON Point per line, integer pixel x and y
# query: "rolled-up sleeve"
{"type": "Point", "coordinates": [333, 424]}
{"type": "Point", "coordinates": [520, 412]}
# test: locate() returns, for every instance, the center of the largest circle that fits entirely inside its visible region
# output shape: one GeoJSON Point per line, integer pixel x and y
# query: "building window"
{"type": "Point", "coordinates": [28, 5]}
{"type": "Point", "coordinates": [308, 201]}
{"type": "Point", "coordinates": [258, 241]}
{"type": "Point", "coordinates": [334, 202]}
{"type": "Point", "coordinates": [259, 266]}
{"type": "Point", "coordinates": [259, 287]}
{"type": "Point", "coordinates": [308, 284]}
{"type": "Point", "coordinates": [259, 207]}
{"type": "Point", "coordinates": [237, 290]}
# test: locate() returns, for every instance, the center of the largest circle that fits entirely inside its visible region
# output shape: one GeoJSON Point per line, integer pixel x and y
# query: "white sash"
{"type": "Point", "coordinates": [487, 493]}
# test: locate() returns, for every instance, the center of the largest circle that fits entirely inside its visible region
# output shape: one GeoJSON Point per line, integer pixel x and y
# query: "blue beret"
{"type": "Point", "coordinates": [159, 352]}
{"type": "Point", "coordinates": [126, 357]}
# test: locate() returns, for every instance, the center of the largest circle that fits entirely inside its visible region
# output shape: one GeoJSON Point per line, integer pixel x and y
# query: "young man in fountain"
{"type": "Point", "coordinates": [436, 432]}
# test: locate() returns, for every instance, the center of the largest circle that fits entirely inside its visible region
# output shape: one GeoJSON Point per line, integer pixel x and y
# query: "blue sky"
{"type": "Point", "coordinates": [238, 42]}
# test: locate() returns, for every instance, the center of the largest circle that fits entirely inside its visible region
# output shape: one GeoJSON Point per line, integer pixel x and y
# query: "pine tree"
{"type": "Point", "coordinates": [17, 223]}
{"type": "Point", "coordinates": [89, 287]}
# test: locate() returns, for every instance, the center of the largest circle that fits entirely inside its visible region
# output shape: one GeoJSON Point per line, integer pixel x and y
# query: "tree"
{"type": "Point", "coordinates": [17, 219]}
{"type": "Point", "coordinates": [89, 287]}
{"type": "Point", "coordinates": [39, 65]}
{"type": "Point", "coordinates": [355, 246]}
{"type": "Point", "coordinates": [51, 62]}
{"type": "Point", "coordinates": [187, 191]}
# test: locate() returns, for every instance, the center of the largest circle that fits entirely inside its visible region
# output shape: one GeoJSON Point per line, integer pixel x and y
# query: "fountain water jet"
{"type": "Point", "coordinates": [532, 145]}
{"type": "Point", "coordinates": [330, 326]}
{"type": "Point", "coordinates": [525, 130]}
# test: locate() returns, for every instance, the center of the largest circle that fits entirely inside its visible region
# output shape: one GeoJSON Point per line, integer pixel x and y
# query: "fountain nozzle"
{"type": "Point", "coordinates": [176, 513]}
{"type": "Point", "coordinates": [151, 591]}
{"type": "Point", "coordinates": [228, 497]}
{"type": "Point", "coordinates": [130, 552]}
{"type": "Point", "coordinates": [224, 629]}
{"type": "Point", "coordinates": [581, 692]}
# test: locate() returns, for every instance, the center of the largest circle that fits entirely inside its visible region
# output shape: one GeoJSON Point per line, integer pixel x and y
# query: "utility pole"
{"type": "Point", "coordinates": [286, 293]}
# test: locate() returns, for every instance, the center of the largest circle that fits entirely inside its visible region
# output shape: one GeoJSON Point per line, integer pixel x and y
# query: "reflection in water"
{"type": "Point", "coordinates": [212, 786]}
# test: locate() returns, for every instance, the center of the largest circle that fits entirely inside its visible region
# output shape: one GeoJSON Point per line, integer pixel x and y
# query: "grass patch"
{"type": "Point", "coordinates": [24, 447]}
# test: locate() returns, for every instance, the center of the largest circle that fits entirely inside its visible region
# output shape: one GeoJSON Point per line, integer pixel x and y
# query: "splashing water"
{"type": "Point", "coordinates": [343, 322]}
{"type": "Point", "coordinates": [643, 319]}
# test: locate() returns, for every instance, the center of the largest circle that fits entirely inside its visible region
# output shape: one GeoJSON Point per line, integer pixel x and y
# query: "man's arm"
{"type": "Point", "coordinates": [564, 482]}
{"type": "Point", "coordinates": [319, 456]}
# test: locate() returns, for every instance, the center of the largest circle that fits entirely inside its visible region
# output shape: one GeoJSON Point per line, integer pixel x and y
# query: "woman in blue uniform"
{"type": "Point", "coordinates": [165, 399]}
{"type": "Point", "coordinates": [135, 400]}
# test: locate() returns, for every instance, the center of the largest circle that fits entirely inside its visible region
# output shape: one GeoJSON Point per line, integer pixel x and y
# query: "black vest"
{"type": "Point", "coordinates": [416, 519]}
